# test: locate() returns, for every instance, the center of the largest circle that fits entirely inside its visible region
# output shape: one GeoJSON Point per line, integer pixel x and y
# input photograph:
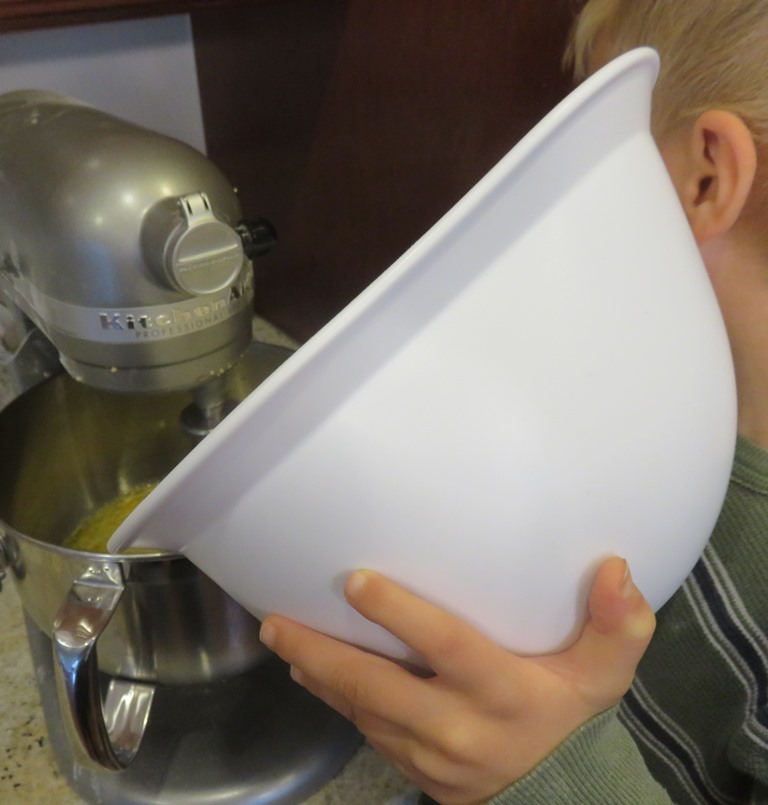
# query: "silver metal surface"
{"type": "Point", "coordinates": [122, 260]}
{"type": "Point", "coordinates": [120, 245]}
{"type": "Point", "coordinates": [251, 739]}
{"type": "Point", "coordinates": [155, 687]}
{"type": "Point", "coordinates": [68, 449]}
{"type": "Point", "coordinates": [27, 357]}
{"type": "Point", "coordinates": [107, 735]}
{"type": "Point", "coordinates": [211, 403]}
{"type": "Point", "coordinates": [198, 254]}
{"type": "Point", "coordinates": [3, 559]}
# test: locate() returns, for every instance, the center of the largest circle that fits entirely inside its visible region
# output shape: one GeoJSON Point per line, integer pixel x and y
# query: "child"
{"type": "Point", "coordinates": [693, 726]}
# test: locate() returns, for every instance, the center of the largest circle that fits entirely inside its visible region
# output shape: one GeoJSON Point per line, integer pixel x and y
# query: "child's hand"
{"type": "Point", "coordinates": [486, 716]}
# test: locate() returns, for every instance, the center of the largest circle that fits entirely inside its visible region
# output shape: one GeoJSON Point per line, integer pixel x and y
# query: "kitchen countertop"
{"type": "Point", "coordinates": [28, 772]}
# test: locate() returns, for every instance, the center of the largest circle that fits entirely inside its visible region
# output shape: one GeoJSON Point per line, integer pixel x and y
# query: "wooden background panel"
{"type": "Point", "coordinates": [355, 124]}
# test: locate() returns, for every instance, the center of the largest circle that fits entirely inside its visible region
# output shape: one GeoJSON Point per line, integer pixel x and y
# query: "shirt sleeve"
{"type": "Point", "coordinates": [599, 764]}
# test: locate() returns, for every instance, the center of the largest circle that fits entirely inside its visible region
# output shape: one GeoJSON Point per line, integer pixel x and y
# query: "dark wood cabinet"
{"type": "Point", "coordinates": [355, 124]}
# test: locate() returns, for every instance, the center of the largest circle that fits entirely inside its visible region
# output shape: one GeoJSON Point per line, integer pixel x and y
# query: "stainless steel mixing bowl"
{"type": "Point", "coordinates": [143, 620]}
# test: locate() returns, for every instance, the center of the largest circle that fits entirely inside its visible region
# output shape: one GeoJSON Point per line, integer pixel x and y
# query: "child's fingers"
{"type": "Point", "coordinates": [351, 681]}
{"type": "Point", "coordinates": [453, 649]}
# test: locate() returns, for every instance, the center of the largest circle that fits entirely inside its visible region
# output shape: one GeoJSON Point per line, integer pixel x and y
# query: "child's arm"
{"type": "Point", "coordinates": [486, 717]}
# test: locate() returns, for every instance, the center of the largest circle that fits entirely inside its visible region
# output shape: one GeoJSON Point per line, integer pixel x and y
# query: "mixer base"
{"type": "Point", "coordinates": [253, 739]}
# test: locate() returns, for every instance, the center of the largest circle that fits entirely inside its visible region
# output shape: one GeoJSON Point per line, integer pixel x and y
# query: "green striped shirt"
{"type": "Point", "coordinates": [694, 727]}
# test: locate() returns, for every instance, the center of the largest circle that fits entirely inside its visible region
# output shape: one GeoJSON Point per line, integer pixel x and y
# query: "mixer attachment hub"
{"type": "Point", "coordinates": [189, 248]}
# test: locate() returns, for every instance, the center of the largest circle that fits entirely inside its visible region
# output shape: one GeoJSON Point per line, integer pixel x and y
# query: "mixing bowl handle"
{"type": "Point", "coordinates": [106, 734]}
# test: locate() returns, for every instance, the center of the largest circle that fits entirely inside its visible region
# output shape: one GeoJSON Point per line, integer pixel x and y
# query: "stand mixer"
{"type": "Point", "coordinates": [122, 246]}
{"type": "Point", "coordinates": [123, 260]}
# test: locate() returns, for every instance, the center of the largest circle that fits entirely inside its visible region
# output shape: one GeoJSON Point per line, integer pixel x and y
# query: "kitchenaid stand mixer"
{"type": "Point", "coordinates": [124, 261]}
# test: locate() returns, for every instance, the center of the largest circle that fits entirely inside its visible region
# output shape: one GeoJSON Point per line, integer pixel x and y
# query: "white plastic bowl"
{"type": "Point", "coordinates": [541, 381]}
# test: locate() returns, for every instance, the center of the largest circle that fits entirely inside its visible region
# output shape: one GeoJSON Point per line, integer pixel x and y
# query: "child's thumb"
{"type": "Point", "coordinates": [617, 632]}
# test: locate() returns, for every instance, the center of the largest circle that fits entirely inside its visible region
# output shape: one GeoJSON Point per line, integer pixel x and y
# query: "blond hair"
{"type": "Point", "coordinates": [714, 54]}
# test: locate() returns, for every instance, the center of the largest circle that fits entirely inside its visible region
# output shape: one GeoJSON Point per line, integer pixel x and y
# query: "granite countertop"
{"type": "Point", "coordinates": [28, 772]}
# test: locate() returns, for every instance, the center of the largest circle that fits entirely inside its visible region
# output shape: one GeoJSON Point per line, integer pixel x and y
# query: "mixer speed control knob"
{"type": "Point", "coordinates": [189, 247]}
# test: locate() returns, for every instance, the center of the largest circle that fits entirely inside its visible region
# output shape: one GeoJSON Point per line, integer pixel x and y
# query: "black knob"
{"type": "Point", "coordinates": [258, 236]}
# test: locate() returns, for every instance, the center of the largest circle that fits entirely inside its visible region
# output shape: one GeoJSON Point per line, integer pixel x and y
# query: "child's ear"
{"type": "Point", "coordinates": [713, 166]}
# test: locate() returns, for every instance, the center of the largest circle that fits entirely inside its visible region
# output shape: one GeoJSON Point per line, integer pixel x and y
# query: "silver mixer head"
{"type": "Point", "coordinates": [122, 245]}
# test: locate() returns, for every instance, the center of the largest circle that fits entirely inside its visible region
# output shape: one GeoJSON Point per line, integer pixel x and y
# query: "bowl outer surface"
{"type": "Point", "coordinates": [543, 380]}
